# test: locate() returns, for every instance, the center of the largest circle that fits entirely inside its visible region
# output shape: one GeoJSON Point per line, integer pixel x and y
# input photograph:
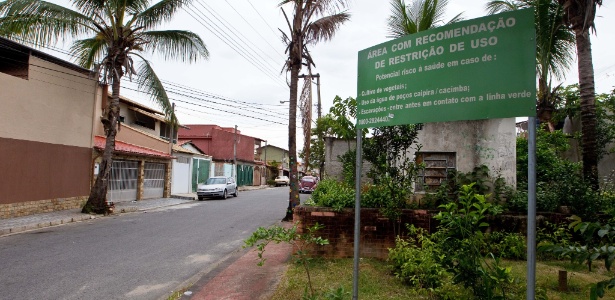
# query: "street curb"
{"type": "Point", "coordinates": [40, 225]}
{"type": "Point", "coordinates": [183, 197]}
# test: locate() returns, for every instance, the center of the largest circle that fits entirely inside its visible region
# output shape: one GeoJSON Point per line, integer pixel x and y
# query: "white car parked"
{"type": "Point", "coordinates": [217, 187]}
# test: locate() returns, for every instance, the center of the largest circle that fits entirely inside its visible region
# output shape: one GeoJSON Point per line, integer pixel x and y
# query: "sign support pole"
{"type": "Point", "coordinates": [357, 215]}
{"type": "Point", "coordinates": [531, 209]}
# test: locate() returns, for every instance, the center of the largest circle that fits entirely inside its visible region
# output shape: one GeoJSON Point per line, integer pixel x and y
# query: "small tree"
{"type": "Point", "coordinates": [300, 241]}
{"type": "Point", "coordinates": [392, 165]}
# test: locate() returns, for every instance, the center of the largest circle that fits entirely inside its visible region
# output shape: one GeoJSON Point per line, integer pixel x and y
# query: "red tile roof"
{"type": "Point", "coordinates": [99, 143]}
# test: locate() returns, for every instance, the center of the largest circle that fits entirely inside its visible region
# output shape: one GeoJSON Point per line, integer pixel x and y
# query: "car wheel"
{"type": "Point", "coordinates": [200, 198]}
{"type": "Point", "coordinates": [224, 195]}
{"type": "Point", "coordinates": [236, 192]}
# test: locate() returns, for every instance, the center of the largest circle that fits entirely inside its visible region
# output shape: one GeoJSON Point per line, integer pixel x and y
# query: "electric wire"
{"type": "Point", "coordinates": [265, 21]}
{"type": "Point", "coordinates": [236, 32]}
{"type": "Point", "coordinates": [254, 29]}
{"type": "Point", "coordinates": [229, 43]}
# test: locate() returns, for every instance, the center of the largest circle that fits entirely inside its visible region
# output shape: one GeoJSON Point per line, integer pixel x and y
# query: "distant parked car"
{"type": "Point", "coordinates": [307, 184]}
{"type": "Point", "coordinates": [282, 180]}
{"type": "Point", "coordinates": [217, 187]}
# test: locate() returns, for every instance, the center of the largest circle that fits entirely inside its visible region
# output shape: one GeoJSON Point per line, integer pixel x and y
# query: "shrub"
{"type": "Point", "coordinates": [414, 260]}
{"type": "Point", "coordinates": [506, 245]}
{"type": "Point", "coordinates": [330, 193]}
{"type": "Point", "coordinates": [374, 196]}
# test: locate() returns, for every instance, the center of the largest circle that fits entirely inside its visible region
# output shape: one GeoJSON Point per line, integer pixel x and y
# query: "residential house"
{"type": "Point", "coordinates": [46, 131]}
{"type": "Point", "coordinates": [225, 145]}
{"type": "Point", "coordinates": [275, 156]}
{"type": "Point", "coordinates": [142, 161]}
{"type": "Point", "coordinates": [190, 167]}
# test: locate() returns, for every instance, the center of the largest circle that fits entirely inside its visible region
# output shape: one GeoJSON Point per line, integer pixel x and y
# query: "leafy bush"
{"type": "Point", "coordinates": [460, 236]}
{"type": "Point", "coordinates": [374, 196]}
{"type": "Point", "coordinates": [506, 245]}
{"type": "Point", "coordinates": [334, 194]}
{"type": "Point", "coordinates": [415, 262]}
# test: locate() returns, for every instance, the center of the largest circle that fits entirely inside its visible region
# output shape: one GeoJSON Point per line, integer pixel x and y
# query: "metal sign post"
{"type": "Point", "coordinates": [357, 216]}
{"type": "Point", "coordinates": [531, 209]}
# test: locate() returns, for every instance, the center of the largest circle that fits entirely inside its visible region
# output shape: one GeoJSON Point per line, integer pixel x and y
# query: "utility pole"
{"type": "Point", "coordinates": [172, 127]}
{"type": "Point", "coordinates": [266, 167]}
{"type": "Point", "coordinates": [320, 138]}
{"type": "Point", "coordinates": [318, 92]}
{"type": "Point", "coordinates": [235, 155]}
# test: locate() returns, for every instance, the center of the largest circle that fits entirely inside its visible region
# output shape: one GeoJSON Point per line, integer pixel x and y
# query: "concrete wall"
{"type": "Point", "coordinates": [48, 107]}
{"type": "Point", "coordinates": [46, 138]}
{"type": "Point", "coordinates": [481, 142]}
{"type": "Point", "coordinates": [333, 166]}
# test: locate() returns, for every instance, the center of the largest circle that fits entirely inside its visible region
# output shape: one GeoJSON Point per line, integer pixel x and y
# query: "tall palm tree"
{"type": "Point", "coordinates": [554, 48]}
{"type": "Point", "coordinates": [420, 16]}
{"type": "Point", "coordinates": [107, 34]}
{"type": "Point", "coordinates": [580, 15]}
{"type": "Point", "coordinates": [312, 21]}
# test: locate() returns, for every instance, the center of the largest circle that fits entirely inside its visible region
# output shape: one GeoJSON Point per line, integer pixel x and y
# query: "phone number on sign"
{"type": "Point", "coordinates": [373, 120]}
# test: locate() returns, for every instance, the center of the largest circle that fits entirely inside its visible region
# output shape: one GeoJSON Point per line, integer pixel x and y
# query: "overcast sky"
{"type": "Point", "coordinates": [252, 81]}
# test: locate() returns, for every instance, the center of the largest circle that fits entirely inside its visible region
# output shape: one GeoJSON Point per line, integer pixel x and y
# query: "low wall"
{"type": "Point", "coordinates": [378, 232]}
{"type": "Point", "coordinates": [22, 209]}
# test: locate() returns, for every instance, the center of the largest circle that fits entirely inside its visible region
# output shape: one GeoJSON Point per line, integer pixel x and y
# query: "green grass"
{"type": "Point", "coordinates": [377, 282]}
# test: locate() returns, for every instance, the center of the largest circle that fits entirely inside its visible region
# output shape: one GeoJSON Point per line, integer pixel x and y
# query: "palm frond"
{"type": "Point", "coordinates": [325, 7]}
{"type": "Point", "coordinates": [41, 22]}
{"type": "Point", "coordinates": [399, 23]}
{"type": "Point", "coordinates": [149, 83]}
{"type": "Point", "coordinates": [324, 28]}
{"type": "Point", "coordinates": [160, 12]}
{"type": "Point", "coordinates": [90, 8]}
{"type": "Point", "coordinates": [499, 6]}
{"type": "Point", "coordinates": [89, 51]}
{"type": "Point", "coordinates": [175, 44]}
{"type": "Point", "coordinates": [419, 16]}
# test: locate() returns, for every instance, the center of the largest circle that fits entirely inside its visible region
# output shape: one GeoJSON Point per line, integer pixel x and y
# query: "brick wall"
{"type": "Point", "coordinates": [21, 209]}
{"type": "Point", "coordinates": [377, 232]}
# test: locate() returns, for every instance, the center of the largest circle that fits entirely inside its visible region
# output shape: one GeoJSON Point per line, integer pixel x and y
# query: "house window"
{"type": "Point", "coordinates": [437, 166]}
{"type": "Point", "coordinates": [145, 121]}
{"type": "Point", "coordinates": [15, 62]}
{"type": "Point", "coordinates": [183, 160]}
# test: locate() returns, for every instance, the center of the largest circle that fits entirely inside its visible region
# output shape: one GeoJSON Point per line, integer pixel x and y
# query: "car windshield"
{"type": "Point", "coordinates": [307, 179]}
{"type": "Point", "coordinates": [216, 181]}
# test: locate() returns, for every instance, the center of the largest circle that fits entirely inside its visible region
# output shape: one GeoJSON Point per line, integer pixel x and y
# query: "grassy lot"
{"type": "Point", "coordinates": [376, 282]}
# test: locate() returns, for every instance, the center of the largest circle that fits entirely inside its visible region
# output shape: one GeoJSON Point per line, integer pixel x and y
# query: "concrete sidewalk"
{"type": "Point", "coordinates": [38, 221]}
{"type": "Point", "coordinates": [241, 278]}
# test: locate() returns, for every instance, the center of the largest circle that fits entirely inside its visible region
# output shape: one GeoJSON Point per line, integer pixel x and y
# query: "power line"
{"type": "Point", "coordinates": [257, 32]}
{"type": "Point", "coordinates": [234, 31]}
{"type": "Point", "coordinates": [265, 21]}
{"type": "Point", "coordinates": [228, 42]}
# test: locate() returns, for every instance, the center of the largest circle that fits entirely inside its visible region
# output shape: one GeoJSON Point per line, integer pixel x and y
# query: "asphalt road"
{"type": "Point", "coordinates": [144, 255]}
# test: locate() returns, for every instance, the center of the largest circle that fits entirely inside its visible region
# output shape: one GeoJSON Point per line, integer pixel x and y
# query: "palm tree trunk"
{"type": "Point", "coordinates": [295, 58]}
{"type": "Point", "coordinates": [588, 107]}
{"type": "Point", "coordinates": [97, 200]}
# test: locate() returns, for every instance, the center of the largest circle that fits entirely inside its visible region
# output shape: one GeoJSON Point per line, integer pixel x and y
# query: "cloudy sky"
{"type": "Point", "coordinates": [242, 84]}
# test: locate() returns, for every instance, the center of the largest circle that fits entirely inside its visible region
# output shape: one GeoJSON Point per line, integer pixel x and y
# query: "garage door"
{"type": "Point", "coordinates": [153, 180]}
{"type": "Point", "coordinates": [123, 181]}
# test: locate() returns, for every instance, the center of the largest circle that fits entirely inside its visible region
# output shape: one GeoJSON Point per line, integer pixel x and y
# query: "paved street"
{"type": "Point", "coordinates": [143, 255]}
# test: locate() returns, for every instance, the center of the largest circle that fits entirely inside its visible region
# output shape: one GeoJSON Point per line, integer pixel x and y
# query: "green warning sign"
{"type": "Point", "coordinates": [477, 69]}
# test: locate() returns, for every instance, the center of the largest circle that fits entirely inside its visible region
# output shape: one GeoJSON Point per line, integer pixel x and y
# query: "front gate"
{"type": "Point", "coordinates": [153, 180]}
{"type": "Point", "coordinates": [123, 181]}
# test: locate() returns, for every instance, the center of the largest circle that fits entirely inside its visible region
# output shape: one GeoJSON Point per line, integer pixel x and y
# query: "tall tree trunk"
{"type": "Point", "coordinates": [295, 57]}
{"type": "Point", "coordinates": [588, 106]}
{"type": "Point", "coordinates": [98, 194]}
